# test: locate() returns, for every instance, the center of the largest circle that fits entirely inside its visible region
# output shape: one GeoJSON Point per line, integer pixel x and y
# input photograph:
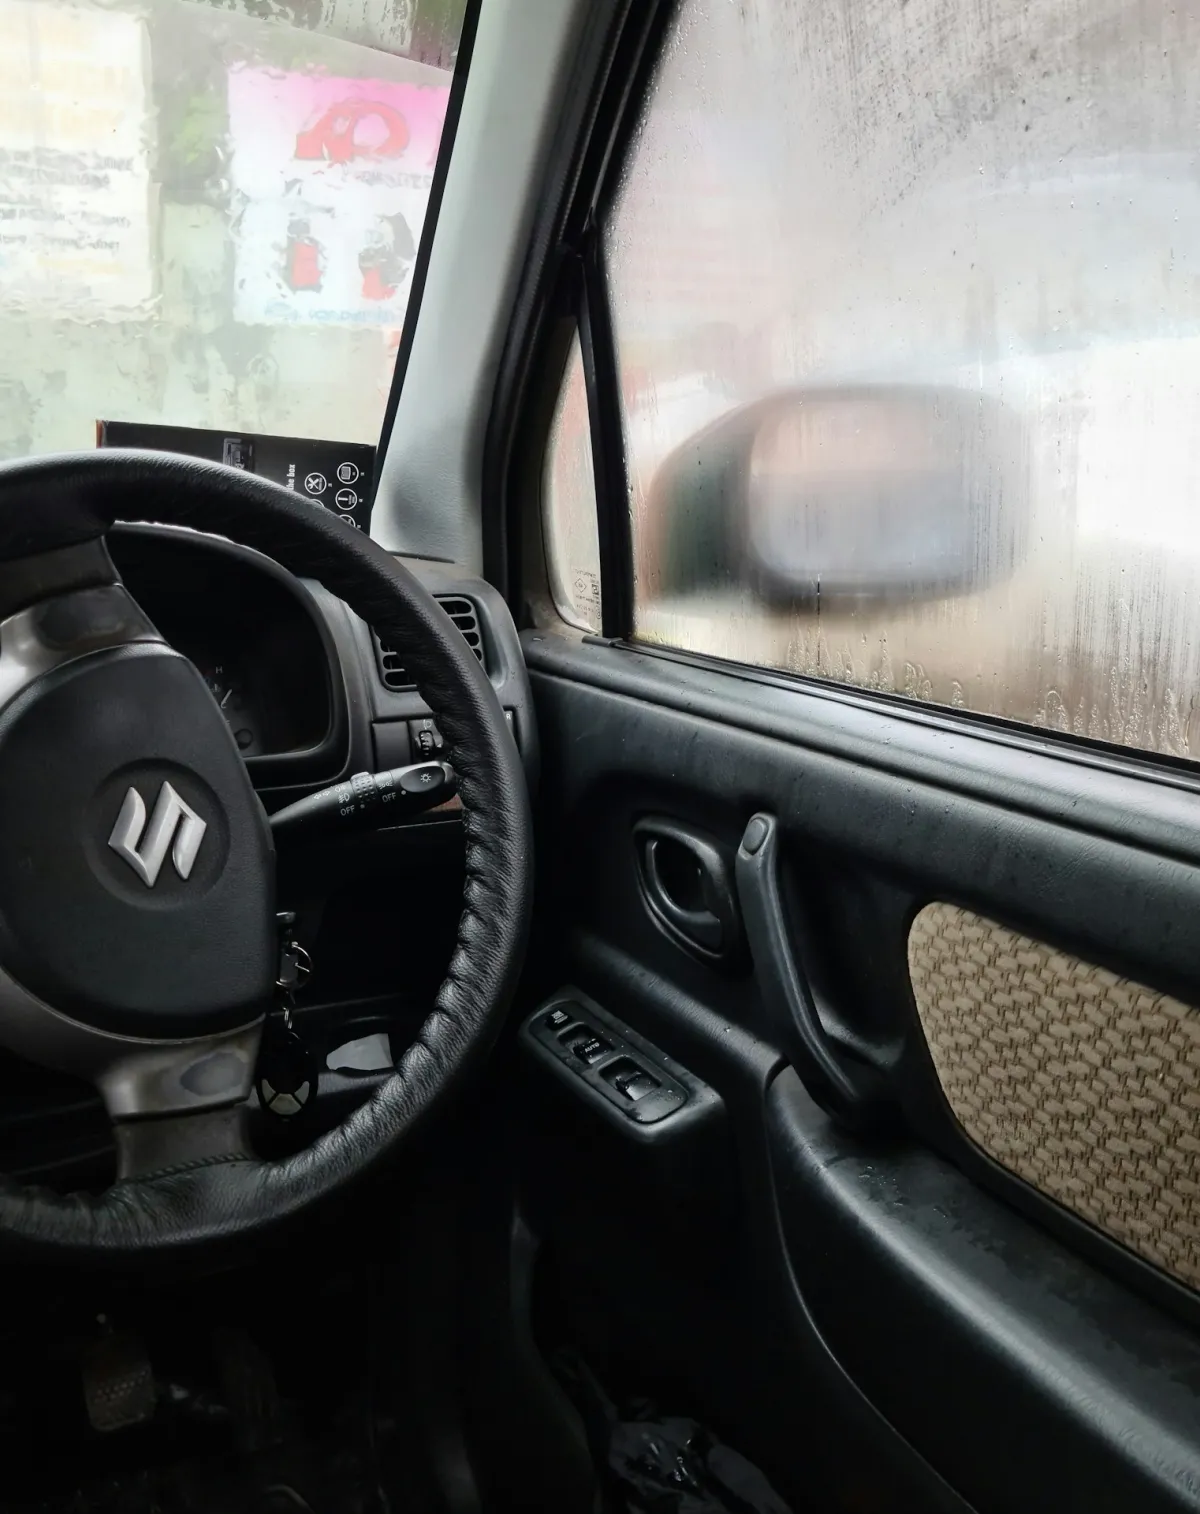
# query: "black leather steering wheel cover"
{"type": "Point", "coordinates": [175, 1213]}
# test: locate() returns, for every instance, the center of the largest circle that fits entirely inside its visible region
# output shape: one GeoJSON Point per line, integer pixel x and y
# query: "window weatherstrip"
{"type": "Point", "coordinates": [598, 348]}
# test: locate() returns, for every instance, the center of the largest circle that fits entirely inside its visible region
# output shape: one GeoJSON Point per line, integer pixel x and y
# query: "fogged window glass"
{"type": "Point", "coordinates": [907, 301]}
{"type": "Point", "coordinates": [569, 505]}
{"type": "Point", "coordinates": [208, 218]}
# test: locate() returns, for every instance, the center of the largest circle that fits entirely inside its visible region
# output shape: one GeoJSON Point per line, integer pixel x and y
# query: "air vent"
{"type": "Point", "coordinates": [464, 615]}
{"type": "Point", "coordinates": [391, 669]}
{"type": "Point", "coordinates": [461, 611]}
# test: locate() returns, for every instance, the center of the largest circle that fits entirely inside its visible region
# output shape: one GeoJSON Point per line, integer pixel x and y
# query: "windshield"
{"type": "Point", "coordinates": [208, 218]}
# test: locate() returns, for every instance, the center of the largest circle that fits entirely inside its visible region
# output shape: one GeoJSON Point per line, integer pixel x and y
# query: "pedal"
{"type": "Point", "coordinates": [249, 1389]}
{"type": "Point", "coordinates": [118, 1383]}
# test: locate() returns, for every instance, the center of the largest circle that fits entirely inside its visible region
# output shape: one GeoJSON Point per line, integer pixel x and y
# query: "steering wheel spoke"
{"type": "Point", "coordinates": [169, 1145]}
{"type": "Point", "coordinates": [155, 1093]}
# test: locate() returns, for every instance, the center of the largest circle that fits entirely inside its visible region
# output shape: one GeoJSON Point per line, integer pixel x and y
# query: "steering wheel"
{"type": "Point", "coordinates": [138, 943]}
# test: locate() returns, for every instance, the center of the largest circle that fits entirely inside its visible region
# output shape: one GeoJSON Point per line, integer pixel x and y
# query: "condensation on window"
{"type": "Point", "coordinates": [569, 504]}
{"type": "Point", "coordinates": [209, 214]}
{"type": "Point", "coordinates": [914, 291]}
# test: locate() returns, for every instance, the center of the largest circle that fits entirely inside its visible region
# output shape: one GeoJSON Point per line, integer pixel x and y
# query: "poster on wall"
{"type": "Point", "coordinates": [332, 177]}
{"type": "Point", "coordinates": [75, 232]}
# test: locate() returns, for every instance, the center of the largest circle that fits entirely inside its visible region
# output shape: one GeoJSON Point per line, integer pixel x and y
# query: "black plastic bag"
{"type": "Point", "coordinates": [676, 1466]}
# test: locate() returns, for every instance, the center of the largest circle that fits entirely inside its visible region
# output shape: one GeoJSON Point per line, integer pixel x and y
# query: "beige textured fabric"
{"type": "Point", "coordinates": [1080, 1082]}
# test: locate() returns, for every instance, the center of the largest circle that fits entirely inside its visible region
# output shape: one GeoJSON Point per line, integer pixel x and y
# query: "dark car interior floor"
{"type": "Point", "coordinates": [420, 1352]}
{"type": "Point", "coordinates": [319, 1374]}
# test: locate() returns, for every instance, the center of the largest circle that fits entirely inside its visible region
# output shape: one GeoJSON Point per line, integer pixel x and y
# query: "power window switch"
{"type": "Point", "coordinates": [557, 1018]}
{"type": "Point", "coordinates": [583, 1042]}
{"type": "Point", "coordinates": [634, 1085]}
{"type": "Point", "coordinates": [657, 1106]}
{"type": "Point", "coordinates": [590, 1051]}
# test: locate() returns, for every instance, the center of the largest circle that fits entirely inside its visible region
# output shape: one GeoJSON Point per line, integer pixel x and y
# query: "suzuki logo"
{"type": "Point", "coordinates": [173, 820]}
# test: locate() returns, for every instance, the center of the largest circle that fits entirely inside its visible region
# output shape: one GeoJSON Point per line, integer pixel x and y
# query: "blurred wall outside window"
{"type": "Point", "coordinates": [208, 218]}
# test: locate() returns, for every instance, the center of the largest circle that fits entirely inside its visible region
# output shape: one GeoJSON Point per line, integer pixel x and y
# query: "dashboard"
{"type": "Point", "coordinates": [309, 692]}
{"type": "Point", "coordinates": [247, 628]}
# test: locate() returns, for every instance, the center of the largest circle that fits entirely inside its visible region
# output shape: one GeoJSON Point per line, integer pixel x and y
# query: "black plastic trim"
{"type": "Point", "coordinates": [1029, 1379]}
{"type": "Point", "coordinates": [614, 524]}
{"type": "Point", "coordinates": [1111, 793]}
{"type": "Point", "coordinates": [852, 1091]}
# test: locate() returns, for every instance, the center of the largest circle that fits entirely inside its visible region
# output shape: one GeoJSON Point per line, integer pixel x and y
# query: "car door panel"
{"type": "Point", "coordinates": [697, 1304]}
{"type": "Point", "coordinates": [1009, 1345]}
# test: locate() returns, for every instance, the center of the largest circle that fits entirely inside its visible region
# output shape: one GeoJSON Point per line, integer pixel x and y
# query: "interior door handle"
{"type": "Point", "coordinates": [701, 926]}
{"type": "Point", "coordinates": [687, 886]}
{"type": "Point", "coordinates": [851, 1090]}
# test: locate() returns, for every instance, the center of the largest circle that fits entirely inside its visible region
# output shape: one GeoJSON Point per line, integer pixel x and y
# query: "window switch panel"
{"type": "Point", "coordinates": [626, 1077]}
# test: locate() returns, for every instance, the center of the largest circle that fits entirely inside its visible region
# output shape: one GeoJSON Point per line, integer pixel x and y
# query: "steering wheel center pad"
{"type": "Point", "coordinates": [162, 924]}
